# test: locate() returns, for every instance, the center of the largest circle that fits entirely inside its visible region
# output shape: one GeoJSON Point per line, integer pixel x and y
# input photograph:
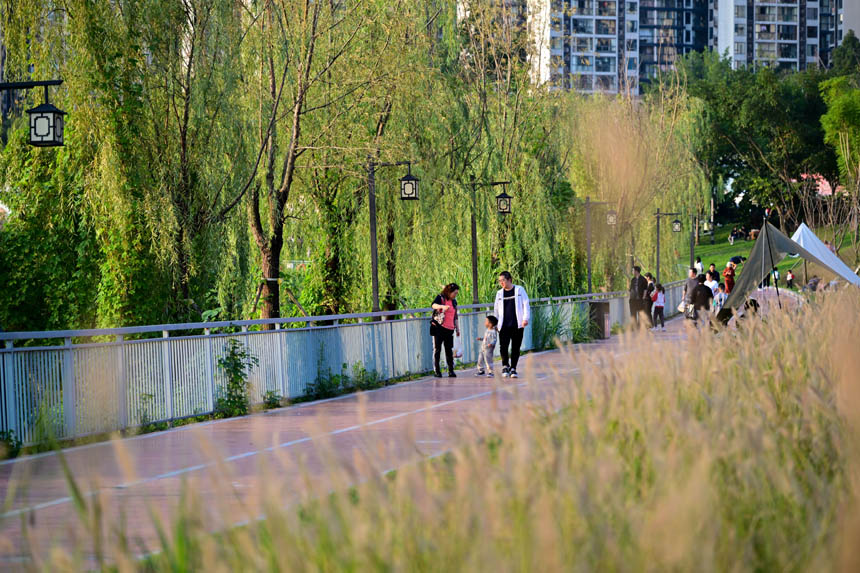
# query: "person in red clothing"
{"type": "Point", "coordinates": [729, 276]}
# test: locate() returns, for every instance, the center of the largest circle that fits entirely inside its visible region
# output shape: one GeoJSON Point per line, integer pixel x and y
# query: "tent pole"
{"type": "Point", "coordinates": [772, 266]}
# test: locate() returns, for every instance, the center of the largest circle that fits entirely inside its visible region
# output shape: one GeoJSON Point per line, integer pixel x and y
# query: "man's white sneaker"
{"type": "Point", "coordinates": [506, 372]}
{"type": "Point", "coordinates": [513, 373]}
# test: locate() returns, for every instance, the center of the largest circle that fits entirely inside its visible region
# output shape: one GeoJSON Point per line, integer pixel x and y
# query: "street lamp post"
{"type": "Point", "coordinates": [692, 240]}
{"type": "Point", "coordinates": [676, 228]}
{"type": "Point", "coordinates": [46, 121]}
{"type": "Point", "coordinates": [503, 205]}
{"type": "Point", "coordinates": [611, 220]}
{"type": "Point", "coordinates": [408, 191]}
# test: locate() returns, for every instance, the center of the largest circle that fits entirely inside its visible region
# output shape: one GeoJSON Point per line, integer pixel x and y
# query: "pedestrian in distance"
{"type": "Point", "coordinates": [711, 281]}
{"type": "Point", "coordinates": [729, 277]}
{"type": "Point", "coordinates": [443, 325]}
{"type": "Point", "coordinates": [720, 298]}
{"type": "Point", "coordinates": [690, 285]}
{"type": "Point", "coordinates": [638, 287]}
{"type": "Point", "coordinates": [659, 299]}
{"type": "Point", "coordinates": [700, 269]}
{"type": "Point", "coordinates": [647, 301]}
{"type": "Point", "coordinates": [513, 311]}
{"type": "Point", "coordinates": [712, 268]}
{"type": "Point", "coordinates": [775, 274]}
{"type": "Point", "coordinates": [702, 297]}
{"type": "Point", "coordinates": [789, 279]}
{"type": "Point", "coordinates": [488, 346]}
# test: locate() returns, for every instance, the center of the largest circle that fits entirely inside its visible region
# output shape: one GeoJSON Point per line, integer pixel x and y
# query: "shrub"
{"type": "Point", "coordinates": [10, 445]}
{"type": "Point", "coordinates": [271, 400]}
{"type": "Point", "coordinates": [237, 363]}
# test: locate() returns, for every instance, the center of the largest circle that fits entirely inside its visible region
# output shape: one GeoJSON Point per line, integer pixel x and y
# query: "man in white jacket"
{"type": "Point", "coordinates": [513, 311]}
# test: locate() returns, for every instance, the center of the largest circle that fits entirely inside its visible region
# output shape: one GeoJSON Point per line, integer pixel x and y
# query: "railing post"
{"type": "Point", "coordinates": [279, 361]}
{"type": "Point", "coordinates": [210, 374]}
{"type": "Point", "coordinates": [11, 390]}
{"type": "Point", "coordinates": [168, 374]}
{"type": "Point", "coordinates": [122, 390]}
{"type": "Point", "coordinates": [69, 415]}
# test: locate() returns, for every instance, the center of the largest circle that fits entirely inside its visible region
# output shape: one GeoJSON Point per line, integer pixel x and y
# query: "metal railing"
{"type": "Point", "coordinates": [85, 387]}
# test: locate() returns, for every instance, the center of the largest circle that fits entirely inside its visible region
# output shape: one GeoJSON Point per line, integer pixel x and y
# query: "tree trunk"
{"type": "Point", "coordinates": [271, 294]}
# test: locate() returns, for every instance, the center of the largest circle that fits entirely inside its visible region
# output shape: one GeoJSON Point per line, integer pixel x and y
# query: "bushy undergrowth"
{"type": "Point", "coordinates": [237, 363]}
{"type": "Point", "coordinates": [718, 453]}
{"type": "Point", "coordinates": [328, 384]}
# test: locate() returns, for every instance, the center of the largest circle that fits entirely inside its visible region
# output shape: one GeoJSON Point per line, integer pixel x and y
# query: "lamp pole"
{"type": "Point", "coordinates": [371, 203]}
{"type": "Point", "coordinates": [474, 185]}
{"type": "Point", "coordinates": [692, 240]}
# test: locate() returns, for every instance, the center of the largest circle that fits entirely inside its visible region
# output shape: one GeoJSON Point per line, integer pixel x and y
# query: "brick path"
{"type": "Point", "coordinates": [368, 433]}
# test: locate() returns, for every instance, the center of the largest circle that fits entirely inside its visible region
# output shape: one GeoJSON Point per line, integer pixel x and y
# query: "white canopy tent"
{"type": "Point", "coordinates": [807, 239]}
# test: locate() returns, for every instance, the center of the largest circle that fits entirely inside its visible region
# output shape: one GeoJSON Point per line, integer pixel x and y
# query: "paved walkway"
{"type": "Point", "coordinates": [368, 433]}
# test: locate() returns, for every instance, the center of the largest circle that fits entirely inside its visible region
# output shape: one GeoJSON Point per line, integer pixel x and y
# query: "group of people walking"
{"type": "Point", "coordinates": [704, 294]}
{"type": "Point", "coordinates": [505, 327]}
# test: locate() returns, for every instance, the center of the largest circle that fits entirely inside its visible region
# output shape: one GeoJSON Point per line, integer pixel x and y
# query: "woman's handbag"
{"type": "Point", "coordinates": [436, 321]}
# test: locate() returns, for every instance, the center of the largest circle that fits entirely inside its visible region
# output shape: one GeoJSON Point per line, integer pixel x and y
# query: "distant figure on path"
{"type": "Point", "coordinates": [690, 285]}
{"type": "Point", "coordinates": [659, 298]}
{"type": "Point", "coordinates": [513, 311]}
{"type": "Point", "coordinates": [711, 281]}
{"type": "Point", "coordinates": [647, 301]}
{"type": "Point", "coordinates": [720, 298]}
{"type": "Point", "coordinates": [488, 346]}
{"type": "Point", "coordinates": [443, 325]}
{"type": "Point", "coordinates": [700, 269]}
{"type": "Point", "coordinates": [729, 276]}
{"type": "Point", "coordinates": [638, 286]}
{"type": "Point", "coordinates": [789, 279]}
{"type": "Point", "coordinates": [702, 297]}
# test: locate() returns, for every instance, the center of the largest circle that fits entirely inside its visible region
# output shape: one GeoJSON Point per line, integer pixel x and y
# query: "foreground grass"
{"type": "Point", "coordinates": [729, 452]}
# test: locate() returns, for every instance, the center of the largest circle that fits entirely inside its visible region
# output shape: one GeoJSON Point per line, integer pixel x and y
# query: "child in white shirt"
{"type": "Point", "coordinates": [488, 346]}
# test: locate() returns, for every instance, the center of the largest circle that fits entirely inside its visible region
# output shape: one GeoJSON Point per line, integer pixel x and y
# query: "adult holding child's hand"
{"type": "Point", "coordinates": [443, 325]}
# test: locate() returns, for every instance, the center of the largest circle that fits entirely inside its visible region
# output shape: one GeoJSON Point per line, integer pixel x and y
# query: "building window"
{"type": "Point", "coordinates": [606, 27]}
{"type": "Point", "coordinates": [632, 64]}
{"type": "Point", "coordinates": [812, 13]}
{"type": "Point", "coordinates": [632, 45]}
{"type": "Point", "coordinates": [632, 26]}
{"type": "Point", "coordinates": [688, 38]}
{"type": "Point", "coordinates": [740, 30]}
{"type": "Point", "coordinates": [788, 51]}
{"type": "Point", "coordinates": [786, 32]}
{"type": "Point", "coordinates": [582, 45]}
{"type": "Point", "coordinates": [556, 43]}
{"type": "Point", "coordinates": [582, 64]}
{"type": "Point", "coordinates": [741, 12]}
{"type": "Point", "coordinates": [582, 26]}
{"type": "Point", "coordinates": [787, 14]}
{"type": "Point", "coordinates": [688, 18]}
{"type": "Point", "coordinates": [812, 51]}
{"type": "Point", "coordinates": [582, 7]}
{"type": "Point", "coordinates": [632, 7]}
{"type": "Point", "coordinates": [740, 48]}
{"type": "Point", "coordinates": [604, 64]}
{"type": "Point", "coordinates": [606, 45]}
{"type": "Point", "coordinates": [606, 8]}
{"type": "Point", "coordinates": [812, 32]}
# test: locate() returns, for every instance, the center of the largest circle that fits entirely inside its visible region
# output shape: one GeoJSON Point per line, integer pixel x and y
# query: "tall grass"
{"type": "Point", "coordinates": [729, 452]}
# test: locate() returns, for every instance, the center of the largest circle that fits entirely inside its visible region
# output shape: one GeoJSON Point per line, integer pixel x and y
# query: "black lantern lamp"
{"type": "Point", "coordinates": [676, 226]}
{"type": "Point", "coordinates": [409, 185]}
{"type": "Point", "coordinates": [46, 124]}
{"type": "Point", "coordinates": [503, 202]}
{"type": "Point", "coordinates": [611, 218]}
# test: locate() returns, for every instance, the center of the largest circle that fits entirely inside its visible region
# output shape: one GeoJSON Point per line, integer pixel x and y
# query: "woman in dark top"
{"type": "Point", "coordinates": [444, 324]}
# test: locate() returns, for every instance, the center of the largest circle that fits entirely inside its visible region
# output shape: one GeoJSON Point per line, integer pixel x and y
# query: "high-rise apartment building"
{"type": "Point", "coordinates": [587, 45]}
{"type": "Point", "coordinates": [612, 45]}
{"type": "Point", "coordinates": [783, 34]}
